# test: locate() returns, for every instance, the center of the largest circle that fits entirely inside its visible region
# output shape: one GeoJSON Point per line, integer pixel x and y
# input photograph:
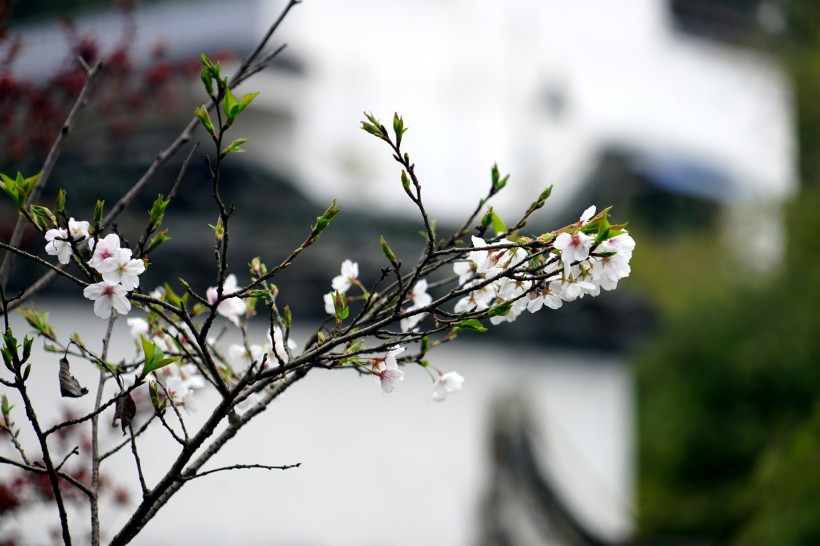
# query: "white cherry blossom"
{"type": "Point", "coordinates": [230, 308]}
{"type": "Point", "coordinates": [574, 248]}
{"type": "Point", "coordinates": [387, 369]}
{"type": "Point", "coordinates": [587, 215]}
{"type": "Point", "coordinates": [58, 245]}
{"type": "Point", "coordinates": [447, 383]}
{"type": "Point", "coordinates": [107, 296]}
{"type": "Point", "coordinates": [78, 229]}
{"type": "Point", "coordinates": [139, 327]}
{"type": "Point", "coordinates": [121, 268]}
{"type": "Point", "coordinates": [349, 275]}
{"type": "Point", "coordinates": [542, 297]}
{"type": "Point", "coordinates": [103, 249]}
{"type": "Point", "coordinates": [419, 298]}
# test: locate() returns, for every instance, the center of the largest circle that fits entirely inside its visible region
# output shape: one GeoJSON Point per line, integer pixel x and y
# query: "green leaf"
{"type": "Point", "coordinates": [247, 98]}
{"type": "Point", "coordinates": [157, 240]}
{"type": "Point", "coordinates": [44, 218]}
{"type": "Point", "coordinates": [5, 408]}
{"type": "Point", "coordinates": [498, 183]}
{"type": "Point", "coordinates": [398, 128]}
{"type": "Point", "coordinates": [230, 105]}
{"type": "Point", "coordinates": [500, 310]}
{"type": "Point", "coordinates": [545, 194]}
{"type": "Point", "coordinates": [374, 126]}
{"type": "Point", "coordinates": [157, 212]}
{"type": "Point", "coordinates": [209, 72]}
{"type": "Point", "coordinates": [207, 80]}
{"type": "Point", "coordinates": [38, 321]}
{"type": "Point", "coordinates": [12, 188]}
{"type": "Point", "coordinates": [341, 310]}
{"type": "Point", "coordinates": [235, 146]}
{"type": "Point", "coordinates": [148, 348]}
{"type": "Point", "coordinates": [156, 400]}
{"type": "Point", "coordinates": [60, 201]}
{"type": "Point", "coordinates": [98, 212]}
{"type": "Point", "coordinates": [154, 358]}
{"type": "Point", "coordinates": [27, 341]}
{"type": "Point", "coordinates": [388, 253]}
{"type": "Point", "coordinates": [470, 324]}
{"type": "Point", "coordinates": [30, 182]}
{"type": "Point", "coordinates": [604, 228]}
{"type": "Point", "coordinates": [219, 229]}
{"type": "Point", "coordinates": [172, 298]}
{"type": "Point", "coordinates": [324, 220]}
{"type": "Point", "coordinates": [498, 224]}
{"type": "Point", "coordinates": [202, 115]}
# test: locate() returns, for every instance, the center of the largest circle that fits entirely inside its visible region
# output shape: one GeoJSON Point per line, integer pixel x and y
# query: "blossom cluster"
{"type": "Point", "coordinates": [119, 270]}
{"type": "Point", "coordinates": [417, 297]}
{"type": "Point", "coordinates": [575, 266]}
{"type": "Point", "coordinates": [180, 381]}
{"type": "Point", "coordinates": [386, 368]}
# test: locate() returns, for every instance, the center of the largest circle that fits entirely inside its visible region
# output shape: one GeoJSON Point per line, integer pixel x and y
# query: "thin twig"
{"type": "Point", "coordinates": [125, 442]}
{"type": "Point", "coordinates": [95, 444]}
{"type": "Point", "coordinates": [133, 438]}
{"type": "Point", "coordinates": [189, 477]}
{"type": "Point", "coordinates": [40, 470]}
{"type": "Point", "coordinates": [75, 451]}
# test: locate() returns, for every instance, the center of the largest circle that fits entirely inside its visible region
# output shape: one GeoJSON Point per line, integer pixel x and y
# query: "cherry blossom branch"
{"type": "Point", "coordinates": [245, 69]}
{"type": "Point", "coordinates": [133, 439]}
{"type": "Point", "coordinates": [97, 411]}
{"type": "Point", "coordinates": [189, 477]}
{"type": "Point", "coordinates": [171, 483]}
{"type": "Point", "coordinates": [13, 434]}
{"type": "Point", "coordinates": [40, 470]}
{"type": "Point", "coordinates": [161, 159]}
{"type": "Point", "coordinates": [127, 441]}
{"type": "Point", "coordinates": [95, 445]}
{"type": "Point", "coordinates": [53, 476]}
{"type": "Point", "coordinates": [57, 270]}
{"type": "Point", "coordinates": [75, 451]}
{"type": "Point", "coordinates": [171, 431]}
{"type": "Point", "coordinates": [48, 166]}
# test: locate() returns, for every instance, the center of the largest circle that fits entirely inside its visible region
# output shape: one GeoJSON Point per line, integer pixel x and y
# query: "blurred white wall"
{"type": "Point", "coordinates": [543, 87]}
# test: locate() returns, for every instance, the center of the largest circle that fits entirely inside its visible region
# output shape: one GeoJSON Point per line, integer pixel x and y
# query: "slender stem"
{"type": "Point", "coordinates": [95, 444]}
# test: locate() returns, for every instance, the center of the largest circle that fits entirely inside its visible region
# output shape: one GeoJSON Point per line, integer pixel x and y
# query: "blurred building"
{"type": "Point", "coordinates": [550, 90]}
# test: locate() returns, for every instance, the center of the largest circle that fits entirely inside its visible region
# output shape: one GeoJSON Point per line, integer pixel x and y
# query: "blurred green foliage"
{"type": "Point", "coordinates": [729, 415]}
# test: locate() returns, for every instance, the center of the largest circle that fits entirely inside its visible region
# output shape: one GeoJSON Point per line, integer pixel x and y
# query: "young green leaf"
{"type": "Point", "coordinates": [388, 253]}
{"type": "Point", "coordinates": [470, 324]}
{"type": "Point", "coordinates": [235, 146]}
{"type": "Point", "coordinates": [98, 212]}
{"type": "Point", "coordinates": [324, 220]}
{"type": "Point", "coordinates": [205, 119]}
{"type": "Point", "coordinates": [44, 218]}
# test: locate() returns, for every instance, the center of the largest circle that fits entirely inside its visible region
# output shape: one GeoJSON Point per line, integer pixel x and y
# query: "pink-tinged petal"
{"type": "Point", "coordinates": [389, 378]}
